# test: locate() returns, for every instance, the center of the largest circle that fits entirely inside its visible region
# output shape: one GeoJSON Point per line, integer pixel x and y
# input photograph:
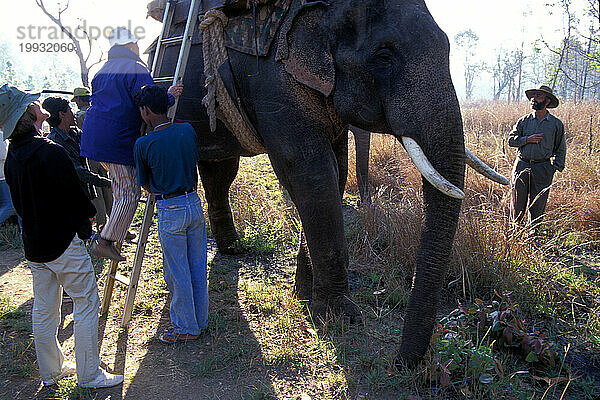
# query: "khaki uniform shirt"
{"type": "Point", "coordinates": [553, 142]}
{"type": "Point", "coordinates": [80, 116]}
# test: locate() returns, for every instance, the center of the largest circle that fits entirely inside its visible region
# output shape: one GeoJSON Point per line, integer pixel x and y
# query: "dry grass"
{"type": "Point", "coordinates": [490, 253]}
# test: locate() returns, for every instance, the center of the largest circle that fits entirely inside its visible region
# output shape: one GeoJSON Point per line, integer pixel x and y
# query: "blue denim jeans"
{"type": "Point", "coordinates": [182, 235]}
{"type": "Point", "coordinates": [6, 205]}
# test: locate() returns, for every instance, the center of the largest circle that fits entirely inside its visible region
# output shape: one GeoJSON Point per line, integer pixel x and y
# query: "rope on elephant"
{"type": "Point", "coordinates": [215, 54]}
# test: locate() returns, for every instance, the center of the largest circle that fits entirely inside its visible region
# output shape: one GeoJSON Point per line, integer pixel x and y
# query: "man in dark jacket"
{"type": "Point", "coordinates": [111, 127]}
{"type": "Point", "coordinates": [64, 133]}
{"type": "Point", "coordinates": [47, 196]}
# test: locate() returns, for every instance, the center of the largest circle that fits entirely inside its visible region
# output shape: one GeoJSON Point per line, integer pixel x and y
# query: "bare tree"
{"type": "Point", "coordinates": [83, 60]}
{"type": "Point", "coordinates": [468, 41]}
{"type": "Point", "coordinates": [574, 70]}
{"type": "Point", "coordinates": [506, 72]}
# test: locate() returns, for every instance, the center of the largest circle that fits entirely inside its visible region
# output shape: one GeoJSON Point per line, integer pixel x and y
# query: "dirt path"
{"type": "Point", "coordinates": [152, 369]}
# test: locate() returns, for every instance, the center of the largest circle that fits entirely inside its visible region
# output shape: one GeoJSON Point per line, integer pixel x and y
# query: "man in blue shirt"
{"type": "Point", "coordinates": [111, 126]}
{"type": "Point", "coordinates": [166, 161]}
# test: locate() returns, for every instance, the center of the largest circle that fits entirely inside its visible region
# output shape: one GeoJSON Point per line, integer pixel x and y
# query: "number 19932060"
{"type": "Point", "coordinates": [47, 47]}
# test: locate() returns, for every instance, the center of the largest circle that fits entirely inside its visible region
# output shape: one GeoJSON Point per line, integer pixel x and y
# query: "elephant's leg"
{"type": "Point", "coordinates": [308, 170]}
{"type": "Point", "coordinates": [216, 180]}
{"type": "Point", "coordinates": [362, 143]}
{"type": "Point", "coordinates": [340, 149]}
{"type": "Point", "coordinates": [304, 274]}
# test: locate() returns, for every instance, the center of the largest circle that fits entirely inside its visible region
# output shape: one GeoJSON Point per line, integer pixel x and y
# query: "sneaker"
{"type": "Point", "coordinates": [68, 369]}
{"type": "Point", "coordinates": [103, 380]}
{"type": "Point", "coordinates": [106, 251]}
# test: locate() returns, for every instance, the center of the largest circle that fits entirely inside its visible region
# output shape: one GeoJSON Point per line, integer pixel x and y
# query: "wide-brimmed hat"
{"type": "Point", "coordinates": [545, 89]}
{"type": "Point", "coordinates": [121, 36]}
{"type": "Point", "coordinates": [13, 103]}
{"type": "Point", "coordinates": [80, 92]}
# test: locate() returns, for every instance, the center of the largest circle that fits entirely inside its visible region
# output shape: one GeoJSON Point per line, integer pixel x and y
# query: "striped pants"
{"type": "Point", "coordinates": [126, 194]}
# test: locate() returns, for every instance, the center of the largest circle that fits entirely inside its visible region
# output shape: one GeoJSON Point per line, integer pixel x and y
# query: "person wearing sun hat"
{"type": "Point", "coordinates": [12, 107]}
{"type": "Point", "coordinates": [111, 126]}
{"type": "Point", "coordinates": [81, 97]}
{"type": "Point", "coordinates": [541, 151]}
{"type": "Point", "coordinates": [54, 209]}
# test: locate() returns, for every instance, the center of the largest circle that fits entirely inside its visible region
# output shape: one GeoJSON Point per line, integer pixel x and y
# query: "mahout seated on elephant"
{"type": "Point", "coordinates": [380, 66]}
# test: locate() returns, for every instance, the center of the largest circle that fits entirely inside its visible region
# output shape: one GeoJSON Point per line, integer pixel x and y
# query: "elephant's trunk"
{"type": "Point", "coordinates": [441, 218]}
{"type": "Point", "coordinates": [447, 156]}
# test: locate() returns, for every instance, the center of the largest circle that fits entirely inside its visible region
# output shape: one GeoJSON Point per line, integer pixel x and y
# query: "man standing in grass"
{"type": "Point", "coordinates": [166, 161]}
{"type": "Point", "coordinates": [541, 147]}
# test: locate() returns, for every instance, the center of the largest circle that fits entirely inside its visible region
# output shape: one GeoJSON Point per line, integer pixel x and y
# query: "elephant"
{"type": "Point", "coordinates": [381, 66]}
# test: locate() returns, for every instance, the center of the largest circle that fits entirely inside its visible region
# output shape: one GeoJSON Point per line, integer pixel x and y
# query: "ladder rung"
{"type": "Point", "coordinates": [164, 79]}
{"type": "Point", "coordinates": [172, 40]}
{"type": "Point", "coordinates": [120, 278]}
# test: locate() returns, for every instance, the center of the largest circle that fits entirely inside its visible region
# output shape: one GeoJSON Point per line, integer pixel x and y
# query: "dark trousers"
{"type": "Point", "coordinates": [104, 198]}
{"type": "Point", "coordinates": [531, 186]}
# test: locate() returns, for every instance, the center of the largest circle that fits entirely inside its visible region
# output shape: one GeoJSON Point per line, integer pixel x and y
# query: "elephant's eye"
{"type": "Point", "coordinates": [384, 55]}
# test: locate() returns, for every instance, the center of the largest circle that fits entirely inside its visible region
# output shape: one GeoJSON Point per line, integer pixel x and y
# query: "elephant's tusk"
{"type": "Point", "coordinates": [426, 169]}
{"type": "Point", "coordinates": [483, 169]}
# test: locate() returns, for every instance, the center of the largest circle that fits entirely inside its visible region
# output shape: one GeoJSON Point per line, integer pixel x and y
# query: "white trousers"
{"type": "Point", "coordinates": [73, 271]}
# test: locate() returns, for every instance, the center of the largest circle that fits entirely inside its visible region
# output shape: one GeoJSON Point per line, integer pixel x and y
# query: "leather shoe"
{"type": "Point", "coordinates": [106, 251]}
{"type": "Point", "coordinates": [130, 236]}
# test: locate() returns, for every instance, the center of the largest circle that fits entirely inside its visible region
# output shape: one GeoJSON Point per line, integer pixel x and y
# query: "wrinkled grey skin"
{"type": "Point", "coordinates": [362, 145]}
{"type": "Point", "coordinates": [379, 65]}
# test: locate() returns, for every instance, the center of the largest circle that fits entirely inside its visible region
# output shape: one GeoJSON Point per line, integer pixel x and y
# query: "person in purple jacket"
{"type": "Point", "coordinates": [111, 127]}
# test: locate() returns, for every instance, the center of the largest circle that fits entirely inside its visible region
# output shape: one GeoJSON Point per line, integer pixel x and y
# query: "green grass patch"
{"type": "Point", "coordinates": [67, 389]}
{"type": "Point", "coordinates": [10, 237]}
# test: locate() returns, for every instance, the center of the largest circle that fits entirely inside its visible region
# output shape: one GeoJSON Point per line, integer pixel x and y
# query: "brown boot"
{"type": "Point", "coordinates": [101, 249]}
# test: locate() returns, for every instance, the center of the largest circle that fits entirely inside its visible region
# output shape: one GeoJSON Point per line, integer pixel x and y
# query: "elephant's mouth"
{"type": "Point", "coordinates": [436, 179]}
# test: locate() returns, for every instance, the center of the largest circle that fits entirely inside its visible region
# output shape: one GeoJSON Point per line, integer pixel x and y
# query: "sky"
{"type": "Point", "coordinates": [499, 24]}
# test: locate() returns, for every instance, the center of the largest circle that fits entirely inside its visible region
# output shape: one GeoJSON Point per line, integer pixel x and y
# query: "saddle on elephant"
{"type": "Point", "coordinates": [239, 33]}
{"type": "Point", "coordinates": [156, 8]}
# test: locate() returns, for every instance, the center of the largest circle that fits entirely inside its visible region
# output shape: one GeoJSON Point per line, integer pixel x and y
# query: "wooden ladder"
{"type": "Point", "coordinates": [186, 42]}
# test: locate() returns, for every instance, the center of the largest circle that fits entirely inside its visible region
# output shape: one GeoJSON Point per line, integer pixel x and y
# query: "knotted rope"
{"type": "Point", "coordinates": [215, 54]}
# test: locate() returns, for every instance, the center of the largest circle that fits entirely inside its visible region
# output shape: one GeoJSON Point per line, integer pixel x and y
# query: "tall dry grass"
{"type": "Point", "coordinates": [490, 253]}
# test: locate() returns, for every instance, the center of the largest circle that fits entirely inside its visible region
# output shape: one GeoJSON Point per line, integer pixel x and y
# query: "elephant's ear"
{"type": "Point", "coordinates": [303, 48]}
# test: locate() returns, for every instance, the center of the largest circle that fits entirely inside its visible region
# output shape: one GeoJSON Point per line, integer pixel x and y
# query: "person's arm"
{"type": "Point", "coordinates": [143, 177]}
{"type": "Point", "coordinates": [143, 78]}
{"type": "Point", "coordinates": [560, 148]}
{"type": "Point", "coordinates": [174, 92]}
{"type": "Point", "coordinates": [87, 176]}
{"type": "Point", "coordinates": [516, 138]}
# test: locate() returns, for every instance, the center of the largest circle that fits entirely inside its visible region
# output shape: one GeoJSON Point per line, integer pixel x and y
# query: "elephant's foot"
{"type": "Point", "coordinates": [405, 359]}
{"type": "Point", "coordinates": [303, 289]}
{"type": "Point", "coordinates": [335, 308]}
